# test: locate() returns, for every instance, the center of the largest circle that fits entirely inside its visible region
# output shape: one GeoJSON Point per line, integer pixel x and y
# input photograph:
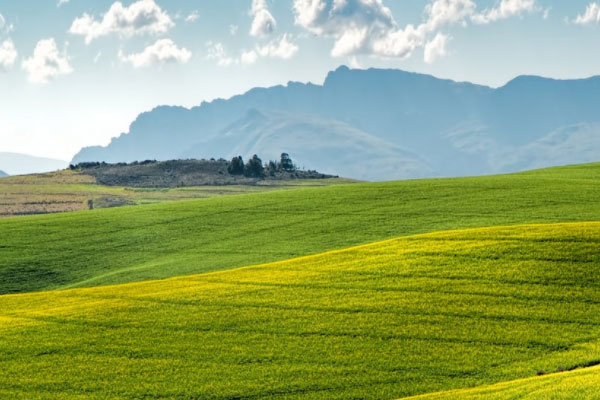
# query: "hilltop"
{"type": "Point", "coordinates": [380, 124]}
{"type": "Point", "coordinates": [185, 173]}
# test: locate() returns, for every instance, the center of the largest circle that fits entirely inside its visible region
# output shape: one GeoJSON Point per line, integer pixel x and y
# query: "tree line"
{"type": "Point", "coordinates": [255, 168]}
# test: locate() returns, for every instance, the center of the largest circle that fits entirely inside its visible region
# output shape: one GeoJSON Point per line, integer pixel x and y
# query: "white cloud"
{"type": "Point", "coordinates": [368, 26]}
{"type": "Point", "coordinates": [97, 57]}
{"type": "Point", "coordinates": [62, 2]}
{"type": "Point", "coordinates": [8, 55]}
{"type": "Point", "coordinates": [263, 23]}
{"type": "Point", "coordinates": [357, 26]}
{"type": "Point", "coordinates": [281, 48]}
{"type": "Point", "coordinates": [2, 21]}
{"type": "Point", "coordinates": [591, 15]}
{"type": "Point", "coordinates": [436, 48]}
{"type": "Point", "coordinates": [506, 9]}
{"type": "Point", "coordinates": [217, 52]}
{"type": "Point", "coordinates": [162, 52]}
{"type": "Point", "coordinates": [192, 17]}
{"type": "Point", "coordinates": [448, 12]}
{"type": "Point", "coordinates": [143, 16]}
{"type": "Point", "coordinates": [46, 63]}
{"type": "Point", "coordinates": [248, 57]}
{"type": "Point", "coordinates": [233, 29]}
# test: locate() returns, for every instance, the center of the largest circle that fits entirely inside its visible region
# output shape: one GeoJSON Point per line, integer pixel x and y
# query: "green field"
{"type": "Point", "coordinates": [403, 317]}
{"type": "Point", "coordinates": [475, 288]}
{"type": "Point", "coordinates": [157, 241]}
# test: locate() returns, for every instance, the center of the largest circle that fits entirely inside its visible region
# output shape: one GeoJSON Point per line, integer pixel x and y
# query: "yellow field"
{"type": "Point", "coordinates": [578, 384]}
{"type": "Point", "coordinates": [403, 317]}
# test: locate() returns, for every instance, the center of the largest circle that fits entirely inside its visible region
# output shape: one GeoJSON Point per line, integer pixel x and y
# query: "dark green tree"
{"type": "Point", "coordinates": [236, 166]}
{"type": "Point", "coordinates": [287, 163]}
{"type": "Point", "coordinates": [254, 167]}
{"type": "Point", "coordinates": [272, 168]}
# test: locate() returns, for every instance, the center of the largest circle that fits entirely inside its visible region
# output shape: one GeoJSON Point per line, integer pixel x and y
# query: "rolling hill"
{"type": "Point", "coordinates": [158, 241]}
{"type": "Point", "coordinates": [21, 164]}
{"type": "Point", "coordinates": [3, 174]}
{"type": "Point", "coordinates": [380, 125]}
{"type": "Point", "coordinates": [402, 317]}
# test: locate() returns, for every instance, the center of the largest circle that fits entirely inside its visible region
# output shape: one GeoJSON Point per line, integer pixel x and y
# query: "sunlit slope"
{"type": "Point", "coordinates": [578, 384]}
{"type": "Point", "coordinates": [403, 317]}
{"type": "Point", "coordinates": [157, 241]}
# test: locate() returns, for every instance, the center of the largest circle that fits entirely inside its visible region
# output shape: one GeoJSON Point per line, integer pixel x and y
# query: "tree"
{"type": "Point", "coordinates": [272, 168]}
{"type": "Point", "coordinates": [254, 167]}
{"type": "Point", "coordinates": [286, 163]}
{"type": "Point", "coordinates": [236, 166]}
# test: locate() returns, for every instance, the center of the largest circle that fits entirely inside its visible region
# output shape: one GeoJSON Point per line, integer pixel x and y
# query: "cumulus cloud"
{"type": "Point", "coordinates": [61, 2]}
{"type": "Point", "coordinates": [8, 55]}
{"type": "Point", "coordinates": [591, 15]}
{"type": "Point", "coordinates": [216, 51]}
{"type": "Point", "coordinates": [436, 48]}
{"type": "Point", "coordinates": [357, 26]}
{"type": "Point", "coordinates": [263, 23]}
{"type": "Point", "coordinates": [46, 63]}
{"type": "Point", "coordinates": [506, 9]}
{"type": "Point", "coordinates": [368, 26]}
{"type": "Point", "coordinates": [143, 16]}
{"type": "Point", "coordinates": [162, 52]}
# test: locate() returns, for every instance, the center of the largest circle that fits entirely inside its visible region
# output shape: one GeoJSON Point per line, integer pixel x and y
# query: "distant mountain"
{"type": "Point", "coordinates": [3, 174]}
{"type": "Point", "coordinates": [380, 124]}
{"type": "Point", "coordinates": [21, 164]}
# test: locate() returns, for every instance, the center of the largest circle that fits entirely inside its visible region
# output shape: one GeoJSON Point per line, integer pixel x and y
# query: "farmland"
{"type": "Point", "coordinates": [402, 317]}
{"type": "Point", "coordinates": [65, 191]}
{"type": "Point", "coordinates": [176, 238]}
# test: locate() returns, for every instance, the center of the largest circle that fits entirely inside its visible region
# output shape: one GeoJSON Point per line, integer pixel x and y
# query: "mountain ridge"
{"type": "Point", "coordinates": [451, 128]}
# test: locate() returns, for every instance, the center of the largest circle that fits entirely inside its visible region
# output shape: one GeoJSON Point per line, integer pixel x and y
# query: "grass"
{"type": "Point", "coordinates": [402, 317]}
{"type": "Point", "coordinates": [578, 384]}
{"type": "Point", "coordinates": [68, 190]}
{"type": "Point", "coordinates": [158, 241]}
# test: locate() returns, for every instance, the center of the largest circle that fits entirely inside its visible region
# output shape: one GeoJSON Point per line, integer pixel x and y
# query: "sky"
{"type": "Point", "coordinates": [75, 73]}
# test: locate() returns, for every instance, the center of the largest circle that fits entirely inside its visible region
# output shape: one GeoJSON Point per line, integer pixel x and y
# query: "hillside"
{"type": "Point", "coordinates": [403, 317]}
{"type": "Point", "coordinates": [186, 173]}
{"type": "Point", "coordinates": [380, 125]}
{"type": "Point", "coordinates": [21, 164]}
{"type": "Point", "coordinates": [70, 190]}
{"type": "Point", "coordinates": [158, 241]}
{"type": "Point", "coordinates": [3, 174]}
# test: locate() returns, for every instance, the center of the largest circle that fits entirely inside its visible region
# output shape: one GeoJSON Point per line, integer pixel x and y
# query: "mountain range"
{"type": "Point", "coordinates": [21, 164]}
{"type": "Point", "coordinates": [379, 125]}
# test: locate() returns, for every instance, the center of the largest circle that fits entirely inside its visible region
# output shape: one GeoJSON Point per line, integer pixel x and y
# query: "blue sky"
{"type": "Point", "coordinates": [78, 73]}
